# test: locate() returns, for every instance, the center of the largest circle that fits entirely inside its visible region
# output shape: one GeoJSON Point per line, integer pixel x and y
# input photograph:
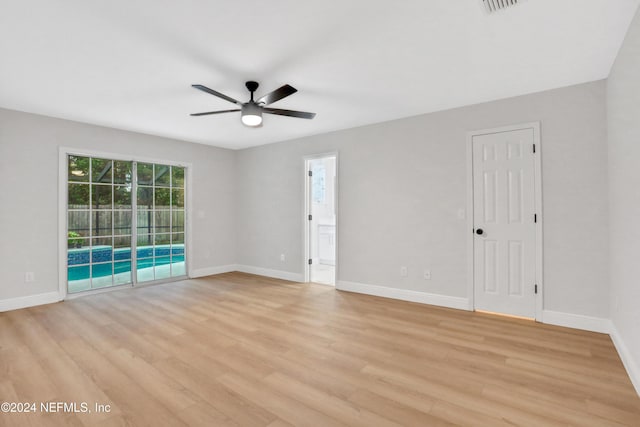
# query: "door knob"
{"type": "Point", "coordinates": [479, 231]}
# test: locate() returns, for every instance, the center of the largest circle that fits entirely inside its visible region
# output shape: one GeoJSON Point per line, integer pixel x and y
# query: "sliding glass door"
{"type": "Point", "coordinates": [160, 222]}
{"type": "Point", "coordinates": [104, 234]}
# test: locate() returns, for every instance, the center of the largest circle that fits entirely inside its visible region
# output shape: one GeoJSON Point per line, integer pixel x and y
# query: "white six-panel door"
{"type": "Point", "coordinates": [504, 249]}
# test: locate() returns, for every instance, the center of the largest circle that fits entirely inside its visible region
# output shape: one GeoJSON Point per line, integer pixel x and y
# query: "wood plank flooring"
{"type": "Point", "coordinates": [243, 350]}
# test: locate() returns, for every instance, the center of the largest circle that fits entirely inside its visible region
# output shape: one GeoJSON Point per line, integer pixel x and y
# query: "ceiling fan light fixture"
{"type": "Point", "coordinates": [251, 115]}
{"type": "Point", "coordinates": [251, 111]}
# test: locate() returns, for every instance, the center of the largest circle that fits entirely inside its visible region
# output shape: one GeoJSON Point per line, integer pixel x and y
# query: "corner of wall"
{"type": "Point", "coordinates": [627, 359]}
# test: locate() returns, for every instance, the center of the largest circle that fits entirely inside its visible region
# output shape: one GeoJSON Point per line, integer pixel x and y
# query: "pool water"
{"type": "Point", "coordinates": [107, 262]}
{"type": "Point", "coordinates": [101, 270]}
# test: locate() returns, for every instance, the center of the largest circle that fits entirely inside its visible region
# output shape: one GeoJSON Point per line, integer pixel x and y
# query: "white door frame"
{"type": "Point", "coordinates": [63, 152]}
{"type": "Point", "coordinates": [306, 209]}
{"type": "Point", "coordinates": [539, 276]}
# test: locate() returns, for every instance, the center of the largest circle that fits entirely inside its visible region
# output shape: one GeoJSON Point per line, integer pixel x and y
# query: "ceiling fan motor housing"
{"type": "Point", "coordinates": [251, 108]}
{"type": "Point", "coordinates": [252, 86]}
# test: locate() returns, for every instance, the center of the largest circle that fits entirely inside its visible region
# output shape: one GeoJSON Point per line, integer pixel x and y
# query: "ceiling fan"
{"type": "Point", "coordinates": [252, 110]}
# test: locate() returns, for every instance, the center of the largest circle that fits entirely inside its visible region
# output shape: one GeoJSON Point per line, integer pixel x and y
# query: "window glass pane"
{"type": "Point", "coordinates": [78, 169]}
{"type": "Point", "coordinates": [101, 170]}
{"type": "Point", "coordinates": [121, 222]}
{"type": "Point", "coordinates": [177, 247]}
{"type": "Point", "coordinates": [122, 197]}
{"type": "Point", "coordinates": [101, 196]}
{"type": "Point", "coordinates": [177, 176]}
{"type": "Point", "coordinates": [101, 275]}
{"type": "Point", "coordinates": [177, 238]}
{"type": "Point", "coordinates": [122, 248]}
{"type": "Point", "coordinates": [162, 268]}
{"type": "Point", "coordinates": [145, 198]}
{"type": "Point", "coordinates": [145, 241]}
{"type": "Point", "coordinates": [178, 268]}
{"type": "Point", "coordinates": [163, 239]}
{"type": "Point", "coordinates": [102, 221]}
{"type": "Point", "coordinates": [162, 175]}
{"type": "Point", "coordinates": [145, 270]}
{"type": "Point", "coordinates": [162, 196]}
{"type": "Point", "coordinates": [145, 222]}
{"type": "Point", "coordinates": [177, 220]}
{"type": "Point", "coordinates": [78, 224]}
{"type": "Point", "coordinates": [122, 267]}
{"type": "Point", "coordinates": [162, 221]}
{"type": "Point", "coordinates": [144, 263]}
{"type": "Point", "coordinates": [78, 278]}
{"type": "Point", "coordinates": [78, 196]}
{"type": "Point", "coordinates": [122, 172]}
{"type": "Point", "coordinates": [162, 260]}
{"type": "Point", "coordinates": [79, 252]}
{"type": "Point", "coordinates": [145, 174]}
{"type": "Point", "coordinates": [122, 273]}
{"type": "Point", "coordinates": [102, 249]}
{"type": "Point", "coordinates": [177, 198]}
{"type": "Point", "coordinates": [318, 183]}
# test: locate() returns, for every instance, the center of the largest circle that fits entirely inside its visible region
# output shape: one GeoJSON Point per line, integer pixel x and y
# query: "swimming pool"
{"type": "Point", "coordinates": [101, 261]}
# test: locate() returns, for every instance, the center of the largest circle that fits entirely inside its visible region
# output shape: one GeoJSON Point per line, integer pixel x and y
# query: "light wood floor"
{"type": "Point", "coordinates": [237, 349]}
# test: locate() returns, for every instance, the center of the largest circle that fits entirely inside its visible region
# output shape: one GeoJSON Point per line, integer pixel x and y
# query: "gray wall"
{"type": "Point", "coordinates": [623, 108]}
{"type": "Point", "coordinates": [29, 194]}
{"type": "Point", "coordinates": [401, 184]}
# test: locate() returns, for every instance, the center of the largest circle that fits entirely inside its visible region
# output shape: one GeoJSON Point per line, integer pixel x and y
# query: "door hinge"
{"type": "Point", "coordinates": [310, 261]}
{"type": "Point", "coordinates": [310, 173]}
{"type": "Point", "coordinates": [534, 148]}
{"type": "Point", "coordinates": [535, 288]}
{"type": "Point", "coordinates": [310, 217]}
{"type": "Point", "coordinates": [535, 218]}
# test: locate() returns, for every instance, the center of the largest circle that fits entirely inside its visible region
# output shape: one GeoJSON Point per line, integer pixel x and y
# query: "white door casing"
{"type": "Point", "coordinates": [307, 241]}
{"type": "Point", "coordinates": [504, 221]}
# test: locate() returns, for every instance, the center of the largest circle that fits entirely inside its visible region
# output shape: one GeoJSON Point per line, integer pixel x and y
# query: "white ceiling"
{"type": "Point", "coordinates": [129, 64]}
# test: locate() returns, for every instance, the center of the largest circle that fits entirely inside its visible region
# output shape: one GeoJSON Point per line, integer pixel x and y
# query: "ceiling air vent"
{"type": "Point", "coordinates": [495, 5]}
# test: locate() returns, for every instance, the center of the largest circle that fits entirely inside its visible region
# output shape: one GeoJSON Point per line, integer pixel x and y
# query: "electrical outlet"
{"type": "Point", "coordinates": [282, 257]}
{"type": "Point", "coordinates": [29, 277]}
{"type": "Point", "coordinates": [427, 275]}
{"type": "Point", "coordinates": [403, 271]}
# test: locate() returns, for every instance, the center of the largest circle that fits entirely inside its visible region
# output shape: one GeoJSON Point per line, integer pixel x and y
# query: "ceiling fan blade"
{"type": "Point", "coordinates": [214, 112]}
{"type": "Point", "coordinates": [290, 113]}
{"type": "Point", "coordinates": [218, 94]}
{"type": "Point", "coordinates": [277, 95]}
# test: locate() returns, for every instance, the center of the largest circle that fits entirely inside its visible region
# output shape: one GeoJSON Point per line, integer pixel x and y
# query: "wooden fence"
{"type": "Point", "coordinates": [102, 222]}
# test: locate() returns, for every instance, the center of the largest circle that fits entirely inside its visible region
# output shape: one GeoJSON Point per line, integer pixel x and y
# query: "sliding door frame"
{"type": "Point", "coordinates": [63, 154]}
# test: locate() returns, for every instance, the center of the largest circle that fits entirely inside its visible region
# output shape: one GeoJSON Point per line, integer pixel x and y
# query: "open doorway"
{"type": "Point", "coordinates": [320, 216]}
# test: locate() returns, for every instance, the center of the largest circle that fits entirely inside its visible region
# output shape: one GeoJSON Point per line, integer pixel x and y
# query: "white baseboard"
{"type": "Point", "coordinates": [405, 295]}
{"type": "Point", "coordinates": [210, 271]}
{"type": "Point", "coordinates": [632, 367]}
{"type": "Point", "coordinates": [577, 321]}
{"type": "Point", "coordinates": [276, 274]}
{"type": "Point", "coordinates": [29, 301]}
